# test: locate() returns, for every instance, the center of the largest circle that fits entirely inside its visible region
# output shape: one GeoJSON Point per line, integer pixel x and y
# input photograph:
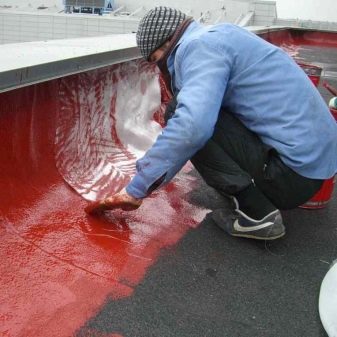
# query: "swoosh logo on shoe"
{"type": "Point", "coordinates": [239, 228]}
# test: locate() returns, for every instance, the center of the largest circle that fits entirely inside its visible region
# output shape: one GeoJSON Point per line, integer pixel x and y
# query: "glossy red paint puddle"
{"type": "Point", "coordinates": [58, 265]}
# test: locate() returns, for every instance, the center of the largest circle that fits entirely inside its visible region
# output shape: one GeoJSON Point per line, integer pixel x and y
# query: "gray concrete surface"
{"type": "Point", "coordinates": [213, 285]}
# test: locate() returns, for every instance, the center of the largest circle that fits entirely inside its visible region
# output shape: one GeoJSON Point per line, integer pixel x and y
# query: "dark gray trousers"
{"type": "Point", "coordinates": [235, 156]}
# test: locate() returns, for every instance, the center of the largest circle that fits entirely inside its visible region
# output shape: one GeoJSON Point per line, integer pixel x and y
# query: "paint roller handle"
{"type": "Point", "coordinates": [121, 200]}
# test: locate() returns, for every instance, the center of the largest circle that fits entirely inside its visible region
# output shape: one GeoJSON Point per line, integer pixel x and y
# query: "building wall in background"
{"type": "Point", "coordinates": [264, 13]}
{"type": "Point", "coordinates": [211, 10]}
{"type": "Point", "coordinates": [315, 10]}
{"type": "Point", "coordinates": [19, 27]}
{"type": "Point", "coordinates": [16, 26]}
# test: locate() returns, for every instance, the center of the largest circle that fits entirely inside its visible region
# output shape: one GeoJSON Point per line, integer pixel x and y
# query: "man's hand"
{"type": "Point", "coordinates": [121, 200]}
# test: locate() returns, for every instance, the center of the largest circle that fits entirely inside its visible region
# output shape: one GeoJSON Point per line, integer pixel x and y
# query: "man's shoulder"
{"type": "Point", "coordinates": [226, 33]}
{"type": "Point", "coordinates": [198, 31]}
{"type": "Point", "coordinates": [219, 37]}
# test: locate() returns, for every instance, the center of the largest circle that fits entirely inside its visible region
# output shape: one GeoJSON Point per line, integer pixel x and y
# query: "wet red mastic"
{"type": "Point", "coordinates": [60, 145]}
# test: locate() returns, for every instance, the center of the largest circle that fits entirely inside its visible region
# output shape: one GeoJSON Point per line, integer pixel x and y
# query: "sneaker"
{"type": "Point", "coordinates": [239, 224]}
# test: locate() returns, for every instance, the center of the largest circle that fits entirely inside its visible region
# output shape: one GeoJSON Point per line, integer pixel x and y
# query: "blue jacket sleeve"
{"type": "Point", "coordinates": [202, 72]}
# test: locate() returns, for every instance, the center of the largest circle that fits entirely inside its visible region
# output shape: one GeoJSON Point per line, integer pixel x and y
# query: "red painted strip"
{"type": "Point", "coordinates": [295, 37]}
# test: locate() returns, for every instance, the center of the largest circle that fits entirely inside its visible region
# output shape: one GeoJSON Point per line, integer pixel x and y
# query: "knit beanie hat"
{"type": "Point", "coordinates": [156, 27]}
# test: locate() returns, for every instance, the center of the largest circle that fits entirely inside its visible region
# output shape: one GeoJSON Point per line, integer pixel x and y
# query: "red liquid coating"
{"type": "Point", "coordinates": [297, 37]}
{"type": "Point", "coordinates": [58, 264]}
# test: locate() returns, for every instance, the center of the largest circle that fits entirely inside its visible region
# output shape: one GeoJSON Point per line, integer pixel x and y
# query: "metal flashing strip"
{"type": "Point", "coordinates": [30, 63]}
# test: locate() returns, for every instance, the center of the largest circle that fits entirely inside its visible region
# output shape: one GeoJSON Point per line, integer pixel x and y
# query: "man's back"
{"type": "Point", "coordinates": [270, 94]}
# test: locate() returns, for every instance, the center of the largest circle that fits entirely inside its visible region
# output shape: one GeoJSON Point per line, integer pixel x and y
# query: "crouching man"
{"type": "Point", "coordinates": [244, 113]}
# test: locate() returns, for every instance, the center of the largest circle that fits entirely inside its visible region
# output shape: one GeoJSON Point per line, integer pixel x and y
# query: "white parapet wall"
{"type": "Point", "coordinates": [27, 63]}
{"type": "Point", "coordinates": [24, 64]}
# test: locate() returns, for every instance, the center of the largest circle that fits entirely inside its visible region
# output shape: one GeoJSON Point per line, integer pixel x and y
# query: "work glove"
{"type": "Point", "coordinates": [122, 200]}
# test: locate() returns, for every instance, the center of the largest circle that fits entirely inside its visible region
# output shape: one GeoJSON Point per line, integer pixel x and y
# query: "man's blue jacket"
{"type": "Point", "coordinates": [227, 66]}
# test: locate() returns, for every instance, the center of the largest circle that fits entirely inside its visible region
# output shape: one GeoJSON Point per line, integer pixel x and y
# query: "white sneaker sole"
{"type": "Point", "coordinates": [255, 237]}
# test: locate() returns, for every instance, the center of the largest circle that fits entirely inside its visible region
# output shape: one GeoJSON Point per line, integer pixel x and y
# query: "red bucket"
{"type": "Point", "coordinates": [322, 197]}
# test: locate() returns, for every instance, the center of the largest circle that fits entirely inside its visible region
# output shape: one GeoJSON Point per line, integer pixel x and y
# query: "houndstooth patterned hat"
{"type": "Point", "coordinates": [156, 27]}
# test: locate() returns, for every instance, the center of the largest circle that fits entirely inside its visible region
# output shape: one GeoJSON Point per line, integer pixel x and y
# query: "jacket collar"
{"type": "Point", "coordinates": [166, 62]}
{"type": "Point", "coordinates": [170, 59]}
{"type": "Point", "coordinates": [162, 63]}
{"type": "Point", "coordinates": [192, 27]}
